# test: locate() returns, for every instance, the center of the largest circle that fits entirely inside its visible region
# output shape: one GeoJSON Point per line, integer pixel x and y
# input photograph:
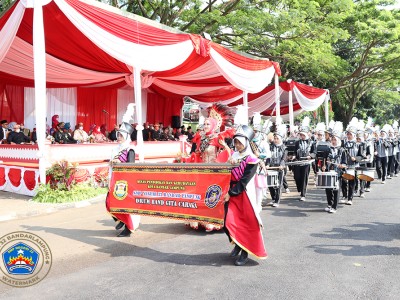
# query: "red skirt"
{"type": "Point", "coordinates": [243, 227]}
{"type": "Point", "coordinates": [124, 218]}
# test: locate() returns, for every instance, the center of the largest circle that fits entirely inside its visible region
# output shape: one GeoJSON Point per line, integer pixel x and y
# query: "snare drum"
{"type": "Point", "coordinates": [327, 180]}
{"type": "Point", "coordinates": [273, 178]}
{"type": "Point", "coordinates": [366, 174]}
{"type": "Point", "coordinates": [349, 174]}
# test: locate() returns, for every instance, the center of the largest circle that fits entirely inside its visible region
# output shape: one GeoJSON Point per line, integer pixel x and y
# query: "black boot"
{"type": "Point", "coordinates": [119, 225]}
{"type": "Point", "coordinates": [243, 259]}
{"type": "Point", "coordinates": [125, 232]}
{"type": "Point", "coordinates": [235, 252]}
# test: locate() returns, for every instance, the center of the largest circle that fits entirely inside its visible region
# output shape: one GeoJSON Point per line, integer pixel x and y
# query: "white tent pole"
{"type": "Point", "coordinates": [277, 100]}
{"type": "Point", "coordinates": [39, 62]}
{"type": "Point", "coordinates": [326, 110]}
{"type": "Point", "coordinates": [246, 105]}
{"type": "Point", "coordinates": [291, 117]}
{"type": "Point", "coordinates": [138, 101]}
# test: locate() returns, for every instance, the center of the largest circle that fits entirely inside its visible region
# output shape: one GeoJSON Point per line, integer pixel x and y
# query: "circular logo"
{"type": "Point", "coordinates": [213, 194]}
{"type": "Point", "coordinates": [25, 259]}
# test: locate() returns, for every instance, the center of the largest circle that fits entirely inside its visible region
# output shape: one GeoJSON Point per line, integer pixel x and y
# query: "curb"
{"type": "Point", "coordinates": [48, 208]}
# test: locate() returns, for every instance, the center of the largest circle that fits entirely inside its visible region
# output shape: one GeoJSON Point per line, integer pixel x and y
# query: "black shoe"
{"type": "Point", "coordinates": [119, 225]}
{"type": "Point", "coordinates": [124, 233]}
{"type": "Point", "coordinates": [235, 252]}
{"type": "Point", "coordinates": [243, 259]}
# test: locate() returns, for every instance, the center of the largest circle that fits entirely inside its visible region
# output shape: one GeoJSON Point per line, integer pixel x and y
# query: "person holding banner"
{"type": "Point", "coordinates": [242, 221]}
{"type": "Point", "coordinates": [123, 153]}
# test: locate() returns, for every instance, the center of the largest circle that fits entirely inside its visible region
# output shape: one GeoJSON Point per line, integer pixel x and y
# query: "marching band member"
{"type": "Point", "coordinates": [262, 152]}
{"type": "Point", "coordinates": [123, 153]}
{"type": "Point", "coordinates": [391, 152]}
{"type": "Point", "coordinates": [369, 147]}
{"type": "Point", "coordinates": [350, 160]}
{"type": "Point", "coordinates": [320, 137]}
{"type": "Point", "coordinates": [333, 163]}
{"type": "Point", "coordinates": [302, 152]}
{"type": "Point", "coordinates": [360, 184]}
{"type": "Point", "coordinates": [211, 147]}
{"type": "Point", "coordinates": [277, 162]}
{"type": "Point", "coordinates": [242, 221]}
{"type": "Point", "coordinates": [396, 148]}
{"type": "Point", "coordinates": [381, 151]}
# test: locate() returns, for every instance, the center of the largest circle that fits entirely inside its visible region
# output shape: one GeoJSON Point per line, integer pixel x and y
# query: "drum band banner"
{"type": "Point", "coordinates": [190, 192]}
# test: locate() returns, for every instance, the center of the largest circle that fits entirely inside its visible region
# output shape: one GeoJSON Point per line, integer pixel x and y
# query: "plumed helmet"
{"type": "Point", "coordinates": [352, 127]}
{"type": "Point", "coordinates": [245, 131]}
{"type": "Point", "coordinates": [337, 129]}
{"type": "Point", "coordinates": [305, 126]}
{"type": "Point", "coordinates": [125, 129]}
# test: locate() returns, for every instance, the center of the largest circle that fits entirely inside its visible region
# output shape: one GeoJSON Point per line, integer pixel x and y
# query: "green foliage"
{"type": "Point", "coordinates": [78, 192]}
{"type": "Point", "coordinates": [61, 175]}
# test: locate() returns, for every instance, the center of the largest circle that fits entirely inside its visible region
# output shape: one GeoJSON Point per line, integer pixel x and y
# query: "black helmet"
{"type": "Point", "coordinates": [245, 131]}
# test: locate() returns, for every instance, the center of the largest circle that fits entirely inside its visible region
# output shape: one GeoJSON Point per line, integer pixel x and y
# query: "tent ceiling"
{"type": "Point", "coordinates": [92, 44]}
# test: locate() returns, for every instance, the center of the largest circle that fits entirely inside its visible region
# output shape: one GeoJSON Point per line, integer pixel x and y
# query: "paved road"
{"type": "Point", "coordinates": [353, 254]}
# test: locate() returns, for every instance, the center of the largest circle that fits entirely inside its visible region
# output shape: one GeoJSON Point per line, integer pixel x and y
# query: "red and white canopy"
{"type": "Point", "coordinates": [88, 43]}
{"type": "Point", "coordinates": [304, 98]}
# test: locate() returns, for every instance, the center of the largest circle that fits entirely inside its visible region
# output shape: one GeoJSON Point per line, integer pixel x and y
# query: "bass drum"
{"type": "Point", "coordinates": [366, 174]}
{"type": "Point", "coordinates": [349, 174]}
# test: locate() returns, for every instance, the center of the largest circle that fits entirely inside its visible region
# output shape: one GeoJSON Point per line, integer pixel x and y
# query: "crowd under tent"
{"type": "Point", "coordinates": [93, 57]}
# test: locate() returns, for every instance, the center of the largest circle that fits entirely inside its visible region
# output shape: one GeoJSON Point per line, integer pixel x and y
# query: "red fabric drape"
{"type": "Point", "coordinates": [161, 109]}
{"type": "Point", "coordinates": [2, 176]}
{"type": "Point", "coordinates": [12, 103]}
{"type": "Point", "coordinates": [15, 177]}
{"type": "Point", "coordinates": [29, 179]}
{"type": "Point", "coordinates": [97, 106]}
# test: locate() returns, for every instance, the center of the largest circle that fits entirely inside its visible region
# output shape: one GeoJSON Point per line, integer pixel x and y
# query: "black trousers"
{"type": "Point", "coordinates": [301, 174]}
{"type": "Point", "coordinates": [390, 167]}
{"type": "Point", "coordinates": [368, 183]}
{"type": "Point", "coordinates": [332, 196]}
{"type": "Point", "coordinates": [284, 181]}
{"type": "Point", "coordinates": [397, 163]}
{"type": "Point", "coordinates": [348, 188]}
{"type": "Point", "coordinates": [276, 191]}
{"type": "Point", "coordinates": [381, 167]}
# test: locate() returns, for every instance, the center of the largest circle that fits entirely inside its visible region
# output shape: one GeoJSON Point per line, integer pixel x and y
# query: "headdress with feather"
{"type": "Point", "coordinates": [223, 114]}
{"type": "Point", "coordinates": [305, 125]}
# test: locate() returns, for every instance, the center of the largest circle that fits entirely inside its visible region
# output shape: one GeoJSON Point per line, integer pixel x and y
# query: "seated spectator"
{"type": "Point", "coordinates": [189, 134]}
{"type": "Point", "coordinates": [25, 131]}
{"type": "Point", "coordinates": [17, 137]}
{"type": "Point", "coordinates": [103, 129]}
{"type": "Point", "coordinates": [3, 131]}
{"type": "Point", "coordinates": [80, 135]}
{"type": "Point", "coordinates": [166, 135]}
{"type": "Point", "coordinates": [33, 136]}
{"type": "Point", "coordinates": [61, 136]}
{"type": "Point", "coordinates": [156, 133]}
{"type": "Point", "coordinates": [113, 133]}
{"type": "Point", "coordinates": [91, 129]}
{"type": "Point", "coordinates": [98, 136]}
{"type": "Point", "coordinates": [178, 133]}
{"type": "Point", "coordinates": [134, 132]}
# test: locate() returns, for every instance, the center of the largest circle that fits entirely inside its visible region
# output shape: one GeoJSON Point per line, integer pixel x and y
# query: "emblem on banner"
{"type": "Point", "coordinates": [213, 195]}
{"type": "Point", "coordinates": [120, 189]}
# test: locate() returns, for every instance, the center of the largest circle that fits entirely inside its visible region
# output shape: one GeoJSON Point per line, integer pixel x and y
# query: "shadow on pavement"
{"type": "Point", "coordinates": [119, 248]}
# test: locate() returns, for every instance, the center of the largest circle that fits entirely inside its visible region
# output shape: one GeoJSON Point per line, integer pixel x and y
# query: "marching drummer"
{"type": "Point", "coordinates": [277, 162]}
{"type": "Point", "coordinates": [301, 172]}
{"type": "Point", "coordinates": [333, 164]}
{"type": "Point", "coordinates": [351, 150]}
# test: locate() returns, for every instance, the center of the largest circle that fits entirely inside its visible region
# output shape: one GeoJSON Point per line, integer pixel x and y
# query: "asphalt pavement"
{"type": "Point", "coordinates": [353, 254]}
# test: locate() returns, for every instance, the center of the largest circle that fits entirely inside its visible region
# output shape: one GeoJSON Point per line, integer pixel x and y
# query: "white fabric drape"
{"type": "Point", "coordinates": [9, 30]}
{"type": "Point", "coordinates": [18, 62]}
{"type": "Point", "coordinates": [245, 80]}
{"type": "Point", "coordinates": [207, 104]}
{"type": "Point", "coordinates": [60, 102]}
{"type": "Point", "coordinates": [308, 104]}
{"type": "Point", "coordinates": [152, 58]}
